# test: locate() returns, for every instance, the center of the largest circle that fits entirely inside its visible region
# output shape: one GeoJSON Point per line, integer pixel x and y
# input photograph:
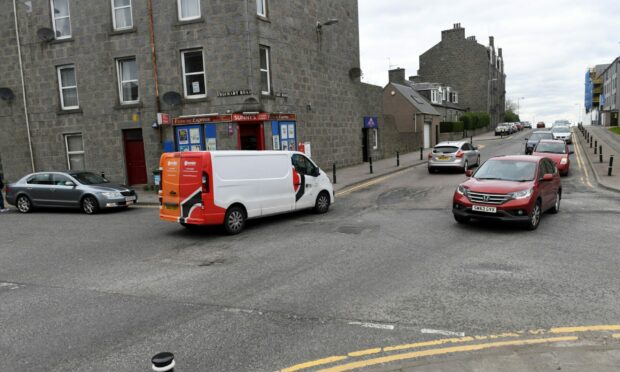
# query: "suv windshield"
{"type": "Point", "coordinates": [87, 178]}
{"type": "Point", "coordinates": [551, 147]}
{"type": "Point", "coordinates": [508, 170]}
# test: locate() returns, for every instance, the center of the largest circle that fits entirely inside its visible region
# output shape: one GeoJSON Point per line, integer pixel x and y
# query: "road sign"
{"type": "Point", "coordinates": [371, 122]}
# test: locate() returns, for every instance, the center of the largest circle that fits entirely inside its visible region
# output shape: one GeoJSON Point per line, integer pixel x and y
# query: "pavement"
{"type": "Point", "coordinates": [359, 174]}
{"type": "Point", "coordinates": [610, 143]}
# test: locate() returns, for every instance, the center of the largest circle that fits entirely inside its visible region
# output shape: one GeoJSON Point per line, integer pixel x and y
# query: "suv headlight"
{"type": "Point", "coordinates": [523, 194]}
{"type": "Point", "coordinates": [112, 194]}
{"type": "Point", "coordinates": [564, 161]}
{"type": "Point", "coordinates": [461, 190]}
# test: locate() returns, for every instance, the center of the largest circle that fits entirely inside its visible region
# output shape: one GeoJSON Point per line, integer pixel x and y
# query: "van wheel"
{"type": "Point", "coordinates": [234, 221]}
{"type": "Point", "coordinates": [322, 203]}
{"type": "Point", "coordinates": [90, 205]}
{"type": "Point", "coordinates": [24, 205]}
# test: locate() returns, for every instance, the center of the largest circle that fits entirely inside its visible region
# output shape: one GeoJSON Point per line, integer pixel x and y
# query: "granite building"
{"type": "Point", "coordinates": [473, 69]}
{"type": "Point", "coordinates": [82, 82]}
{"type": "Point", "coordinates": [610, 99]}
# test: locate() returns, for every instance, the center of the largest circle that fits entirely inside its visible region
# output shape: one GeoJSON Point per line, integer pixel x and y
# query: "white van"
{"type": "Point", "coordinates": [229, 187]}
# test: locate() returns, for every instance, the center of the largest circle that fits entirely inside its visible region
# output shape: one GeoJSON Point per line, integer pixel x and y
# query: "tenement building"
{"type": "Point", "coordinates": [474, 70]}
{"type": "Point", "coordinates": [610, 101]}
{"type": "Point", "coordinates": [109, 85]}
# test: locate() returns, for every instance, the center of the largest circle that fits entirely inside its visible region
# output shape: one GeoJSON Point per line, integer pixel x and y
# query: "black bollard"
{"type": "Point", "coordinates": [397, 159]}
{"type": "Point", "coordinates": [334, 172]}
{"type": "Point", "coordinates": [163, 362]}
{"type": "Point", "coordinates": [471, 140]}
{"type": "Point", "coordinates": [591, 138]}
{"type": "Point", "coordinates": [600, 153]}
{"type": "Point", "coordinates": [102, 174]}
{"type": "Point", "coordinates": [370, 163]}
{"type": "Point", "coordinates": [421, 153]}
{"type": "Point", "coordinates": [595, 147]}
{"type": "Point", "coordinates": [611, 164]}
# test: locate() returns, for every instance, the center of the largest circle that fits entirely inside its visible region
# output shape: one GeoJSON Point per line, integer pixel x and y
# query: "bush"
{"type": "Point", "coordinates": [467, 121]}
{"type": "Point", "coordinates": [450, 126]}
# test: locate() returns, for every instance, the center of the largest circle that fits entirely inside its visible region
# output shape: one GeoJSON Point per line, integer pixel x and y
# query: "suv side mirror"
{"type": "Point", "coordinates": [547, 177]}
{"type": "Point", "coordinates": [469, 172]}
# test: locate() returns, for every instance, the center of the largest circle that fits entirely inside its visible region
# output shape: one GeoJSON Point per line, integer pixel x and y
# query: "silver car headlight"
{"type": "Point", "coordinates": [112, 194]}
{"type": "Point", "coordinates": [523, 194]}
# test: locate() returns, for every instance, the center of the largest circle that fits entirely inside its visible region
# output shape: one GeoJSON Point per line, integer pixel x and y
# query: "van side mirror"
{"type": "Point", "coordinates": [317, 172]}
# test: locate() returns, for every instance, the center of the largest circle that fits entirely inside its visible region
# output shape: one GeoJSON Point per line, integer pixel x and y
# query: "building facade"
{"type": "Point", "coordinates": [593, 91]}
{"type": "Point", "coordinates": [444, 99]}
{"type": "Point", "coordinates": [474, 70]}
{"type": "Point", "coordinates": [239, 74]}
{"type": "Point", "coordinates": [610, 99]}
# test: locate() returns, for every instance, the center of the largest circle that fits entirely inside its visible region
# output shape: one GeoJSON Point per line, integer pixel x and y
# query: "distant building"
{"type": "Point", "coordinates": [593, 91]}
{"type": "Point", "coordinates": [443, 98]}
{"type": "Point", "coordinates": [610, 99]}
{"type": "Point", "coordinates": [474, 70]}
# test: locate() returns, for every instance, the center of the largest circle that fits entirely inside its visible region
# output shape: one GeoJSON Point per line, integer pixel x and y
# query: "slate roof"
{"type": "Point", "coordinates": [416, 99]}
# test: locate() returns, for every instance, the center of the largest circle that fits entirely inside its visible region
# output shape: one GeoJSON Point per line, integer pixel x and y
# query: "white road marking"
{"type": "Point", "coordinates": [373, 325]}
{"type": "Point", "coordinates": [442, 332]}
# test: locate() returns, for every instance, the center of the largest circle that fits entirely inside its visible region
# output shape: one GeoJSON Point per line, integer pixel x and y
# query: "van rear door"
{"type": "Point", "coordinates": [170, 165]}
{"type": "Point", "coordinates": [190, 183]}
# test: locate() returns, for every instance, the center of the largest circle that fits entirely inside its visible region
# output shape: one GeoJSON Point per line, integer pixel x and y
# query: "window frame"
{"type": "Point", "coordinates": [204, 73]}
{"type": "Point", "coordinates": [61, 88]}
{"type": "Point", "coordinates": [114, 9]}
{"type": "Point", "coordinates": [69, 153]}
{"type": "Point", "coordinates": [119, 75]}
{"type": "Point", "coordinates": [265, 10]}
{"type": "Point", "coordinates": [267, 49]}
{"type": "Point", "coordinates": [180, 12]}
{"type": "Point", "coordinates": [54, 18]}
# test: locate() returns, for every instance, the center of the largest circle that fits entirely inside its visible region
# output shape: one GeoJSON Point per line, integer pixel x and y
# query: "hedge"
{"type": "Point", "coordinates": [467, 121]}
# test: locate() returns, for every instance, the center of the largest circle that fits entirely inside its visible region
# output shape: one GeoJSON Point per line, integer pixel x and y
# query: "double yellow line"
{"type": "Point", "coordinates": [580, 161]}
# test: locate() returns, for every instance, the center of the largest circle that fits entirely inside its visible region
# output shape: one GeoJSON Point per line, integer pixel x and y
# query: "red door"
{"type": "Point", "coordinates": [251, 137]}
{"type": "Point", "coordinates": [134, 157]}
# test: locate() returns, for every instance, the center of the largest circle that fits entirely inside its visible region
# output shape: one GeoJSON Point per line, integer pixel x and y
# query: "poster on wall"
{"type": "Point", "coordinates": [307, 149]}
{"type": "Point", "coordinates": [194, 135]}
{"type": "Point", "coordinates": [184, 148]}
{"type": "Point", "coordinates": [284, 133]}
{"type": "Point", "coordinates": [291, 146]}
{"type": "Point", "coordinates": [196, 148]}
{"type": "Point", "coordinates": [284, 145]}
{"type": "Point", "coordinates": [183, 137]}
{"type": "Point", "coordinates": [276, 142]}
{"type": "Point", "coordinates": [211, 144]}
{"type": "Point", "coordinates": [291, 131]}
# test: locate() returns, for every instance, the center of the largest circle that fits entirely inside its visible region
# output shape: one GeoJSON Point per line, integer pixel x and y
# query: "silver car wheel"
{"type": "Point", "coordinates": [23, 204]}
{"type": "Point", "coordinates": [89, 205]}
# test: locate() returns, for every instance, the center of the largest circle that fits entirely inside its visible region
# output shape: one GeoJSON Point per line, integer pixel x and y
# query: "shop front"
{"type": "Point", "coordinates": [247, 131]}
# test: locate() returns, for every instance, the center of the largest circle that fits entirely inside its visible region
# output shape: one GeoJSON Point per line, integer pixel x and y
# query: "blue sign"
{"type": "Point", "coordinates": [371, 122]}
{"type": "Point", "coordinates": [602, 100]}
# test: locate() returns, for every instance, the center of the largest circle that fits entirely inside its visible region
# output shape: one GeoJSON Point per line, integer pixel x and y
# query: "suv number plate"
{"type": "Point", "coordinates": [481, 208]}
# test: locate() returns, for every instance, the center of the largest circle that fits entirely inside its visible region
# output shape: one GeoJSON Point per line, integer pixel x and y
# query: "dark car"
{"type": "Point", "coordinates": [541, 124]}
{"type": "Point", "coordinates": [510, 188]}
{"type": "Point", "coordinates": [534, 138]}
{"type": "Point", "coordinates": [72, 189]}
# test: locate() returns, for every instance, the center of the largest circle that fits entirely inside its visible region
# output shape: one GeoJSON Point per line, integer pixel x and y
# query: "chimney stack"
{"type": "Point", "coordinates": [491, 41]}
{"type": "Point", "coordinates": [397, 75]}
{"type": "Point", "coordinates": [499, 52]}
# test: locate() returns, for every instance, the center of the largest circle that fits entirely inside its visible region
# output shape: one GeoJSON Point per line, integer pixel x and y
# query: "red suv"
{"type": "Point", "coordinates": [515, 188]}
{"type": "Point", "coordinates": [556, 150]}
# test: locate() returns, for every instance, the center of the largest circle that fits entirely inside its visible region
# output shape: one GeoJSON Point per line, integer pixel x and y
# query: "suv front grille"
{"type": "Point", "coordinates": [477, 197]}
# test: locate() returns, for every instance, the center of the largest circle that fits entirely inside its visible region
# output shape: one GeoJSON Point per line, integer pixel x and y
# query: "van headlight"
{"type": "Point", "coordinates": [523, 194]}
{"type": "Point", "coordinates": [112, 194]}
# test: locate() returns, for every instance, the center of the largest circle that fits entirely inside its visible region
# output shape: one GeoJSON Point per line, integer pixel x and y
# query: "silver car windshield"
{"type": "Point", "coordinates": [87, 178]}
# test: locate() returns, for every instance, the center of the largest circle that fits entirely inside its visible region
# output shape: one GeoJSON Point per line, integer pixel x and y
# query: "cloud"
{"type": "Point", "coordinates": [547, 44]}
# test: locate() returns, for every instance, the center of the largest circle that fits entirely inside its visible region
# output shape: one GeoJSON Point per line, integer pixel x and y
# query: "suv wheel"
{"type": "Point", "coordinates": [534, 221]}
{"type": "Point", "coordinates": [556, 206]}
{"type": "Point", "coordinates": [23, 203]}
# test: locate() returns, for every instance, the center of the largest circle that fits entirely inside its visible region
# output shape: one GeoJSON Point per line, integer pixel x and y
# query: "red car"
{"type": "Point", "coordinates": [517, 188]}
{"type": "Point", "coordinates": [541, 124]}
{"type": "Point", "coordinates": [557, 151]}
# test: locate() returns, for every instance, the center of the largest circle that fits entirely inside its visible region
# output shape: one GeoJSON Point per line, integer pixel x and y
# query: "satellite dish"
{"type": "Point", "coordinates": [172, 98]}
{"type": "Point", "coordinates": [6, 94]}
{"type": "Point", "coordinates": [45, 34]}
{"type": "Point", "coordinates": [355, 73]}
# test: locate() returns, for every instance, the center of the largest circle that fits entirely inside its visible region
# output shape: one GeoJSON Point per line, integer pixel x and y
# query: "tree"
{"type": "Point", "coordinates": [510, 106]}
{"type": "Point", "coordinates": [510, 116]}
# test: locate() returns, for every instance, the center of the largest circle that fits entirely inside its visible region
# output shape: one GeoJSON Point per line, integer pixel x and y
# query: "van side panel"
{"type": "Point", "coordinates": [237, 178]}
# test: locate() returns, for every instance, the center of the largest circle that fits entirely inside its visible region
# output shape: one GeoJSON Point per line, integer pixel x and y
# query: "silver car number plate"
{"type": "Point", "coordinates": [482, 208]}
{"type": "Point", "coordinates": [130, 198]}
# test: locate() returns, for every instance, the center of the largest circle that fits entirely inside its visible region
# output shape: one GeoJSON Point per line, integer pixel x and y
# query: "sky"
{"type": "Point", "coordinates": [547, 44]}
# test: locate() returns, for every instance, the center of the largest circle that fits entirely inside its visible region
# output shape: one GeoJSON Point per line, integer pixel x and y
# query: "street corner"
{"type": "Point", "coordinates": [592, 338]}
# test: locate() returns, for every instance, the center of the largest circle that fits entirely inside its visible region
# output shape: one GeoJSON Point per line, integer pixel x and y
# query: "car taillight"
{"type": "Point", "coordinates": [459, 154]}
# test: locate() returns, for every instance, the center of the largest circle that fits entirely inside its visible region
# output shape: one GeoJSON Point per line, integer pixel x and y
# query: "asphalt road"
{"type": "Point", "coordinates": [106, 292]}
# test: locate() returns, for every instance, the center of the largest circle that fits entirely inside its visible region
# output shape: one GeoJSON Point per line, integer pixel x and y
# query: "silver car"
{"type": "Point", "coordinates": [73, 189]}
{"type": "Point", "coordinates": [561, 132]}
{"type": "Point", "coordinates": [456, 154]}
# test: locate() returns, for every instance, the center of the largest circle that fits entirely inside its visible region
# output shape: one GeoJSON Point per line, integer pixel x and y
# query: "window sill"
{"type": "Point", "coordinates": [70, 111]}
{"type": "Point", "coordinates": [60, 41]}
{"type": "Point", "coordinates": [123, 31]}
{"type": "Point", "coordinates": [262, 18]}
{"type": "Point", "coordinates": [180, 22]}
{"type": "Point", "coordinates": [122, 106]}
{"type": "Point", "coordinates": [187, 100]}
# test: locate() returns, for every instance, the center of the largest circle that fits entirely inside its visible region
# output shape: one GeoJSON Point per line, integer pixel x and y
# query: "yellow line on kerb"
{"type": "Point", "coordinates": [596, 328]}
{"type": "Point", "coordinates": [447, 350]}
{"type": "Point", "coordinates": [582, 163]}
{"type": "Point", "coordinates": [370, 183]}
{"type": "Point", "coordinates": [616, 335]}
{"type": "Point", "coordinates": [314, 363]}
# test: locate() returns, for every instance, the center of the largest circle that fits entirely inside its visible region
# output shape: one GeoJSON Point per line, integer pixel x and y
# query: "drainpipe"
{"type": "Point", "coordinates": [154, 61]}
{"type": "Point", "coordinates": [21, 71]}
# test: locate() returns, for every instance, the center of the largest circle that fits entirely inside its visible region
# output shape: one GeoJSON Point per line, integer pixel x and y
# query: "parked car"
{"type": "Point", "coordinates": [527, 124]}
{"type": "Point", "coordinates": [519, 126]}
{"type": "Point", "coordinates": [514, 188]}
{"type": "Point", "coordinates": [536, 136]}
{"type": "Point", "coordinates": [458, 154]}
{"type": "Point", "coordinates": [557, 151]}
{"type": "Point", "coordinates": [73, 189]}
{"type": "Point", "coordinates": [562, 132]}
{"type": "Point", "coordinates": [502, 129]}
{"type": "Point", "coordinates": [229, 187]}
{"type": "Point", "coordinates": [565, 123]}
{"type": "Point", "coordinates": [513, 128]}
{"type": "Point", "coordinates": [540, 124]}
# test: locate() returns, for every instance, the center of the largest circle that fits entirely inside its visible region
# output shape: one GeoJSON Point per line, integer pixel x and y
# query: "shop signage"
{"type": "Point", "coordinates": [283, 117]}
{"type": "Point", "coordinates": [371, 122]}
{"type": "Point", "coordinates": [163, 119]}
{"type": "Point", "coordinates": [232, 93]}
{"type": "Point", "coordinates": [263, 116]}
{"type": "Point", "coordinates": [200, 119]}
